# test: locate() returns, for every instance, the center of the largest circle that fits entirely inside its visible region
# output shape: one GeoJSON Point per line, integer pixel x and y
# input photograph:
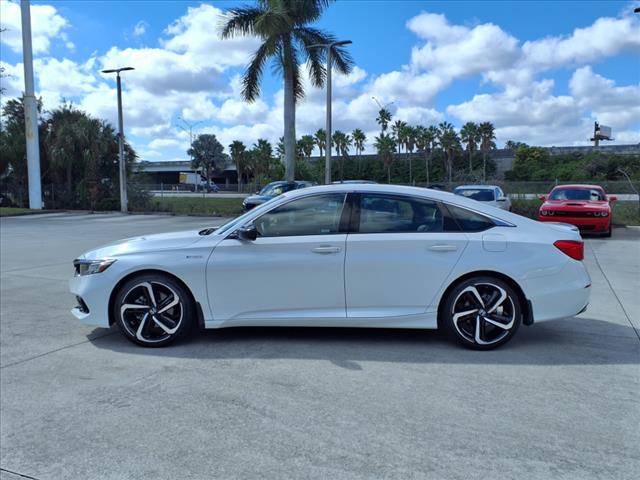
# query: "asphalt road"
{"type": "Point", "coordinates": [560, 401]}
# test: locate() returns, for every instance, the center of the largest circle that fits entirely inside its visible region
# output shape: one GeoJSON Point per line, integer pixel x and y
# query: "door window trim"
{"type": "Point", "coordinates": [343, 224]}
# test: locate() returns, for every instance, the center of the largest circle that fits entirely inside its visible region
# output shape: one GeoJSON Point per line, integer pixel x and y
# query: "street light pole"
{"type": "Point", "coordinates": [327, 149]}
{"type": "Point", "coordinates": [30, 105]}
{"type": "Point", "coordinates": [122, 168]}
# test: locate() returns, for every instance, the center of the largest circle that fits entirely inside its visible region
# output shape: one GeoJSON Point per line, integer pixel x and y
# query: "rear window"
{"type": "Point", "coordinates": [479, 194]}
{"type": "Point", "coordinates": [470, 221]}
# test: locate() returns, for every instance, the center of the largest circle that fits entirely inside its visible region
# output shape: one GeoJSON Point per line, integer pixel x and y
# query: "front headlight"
{"type": "Point", "coordinates": [89, 267]}
{"type": "Point", "coordinates": [604, 214]}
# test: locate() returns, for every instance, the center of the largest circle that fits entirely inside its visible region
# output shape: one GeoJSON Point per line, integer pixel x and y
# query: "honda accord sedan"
{"type": "Point", "coordinates": [351, 255]}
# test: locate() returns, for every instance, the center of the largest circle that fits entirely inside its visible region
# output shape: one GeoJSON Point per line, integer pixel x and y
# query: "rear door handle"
{"type": "Point", "coordinates": [326, 249]}
{"type": "Point", "coordinates": [443, 248]}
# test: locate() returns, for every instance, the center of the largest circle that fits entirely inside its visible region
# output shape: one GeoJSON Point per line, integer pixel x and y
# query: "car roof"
{"type": "Point", "coordinates": [578, 186]}
{"type": "Point", "coordinates": [478, 187]}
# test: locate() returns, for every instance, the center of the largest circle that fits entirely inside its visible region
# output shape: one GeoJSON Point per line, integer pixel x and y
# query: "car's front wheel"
{"type": "Point", "coordinates": [153, 310]}
{"type": "Point", "coordinates": [482, 313]}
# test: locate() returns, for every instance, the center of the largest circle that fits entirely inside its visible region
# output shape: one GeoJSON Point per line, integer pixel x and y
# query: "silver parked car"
{"type": "Point", "coordinates": [488, 194]}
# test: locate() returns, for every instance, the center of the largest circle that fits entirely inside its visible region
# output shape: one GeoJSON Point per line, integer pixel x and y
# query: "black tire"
{"type": "Point", "coordinates": [608, 233]}
{"type": "Point", "coordinates": [164, 327]}
{"type": "Point", "coordinates": [462, 299]}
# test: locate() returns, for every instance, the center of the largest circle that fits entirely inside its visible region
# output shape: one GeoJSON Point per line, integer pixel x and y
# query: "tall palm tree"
{"type": "Point", "coordinates": [237, 149]}
{"type": "Point", "coordinates": [450, 143]}
{"type": "Point", "coordinates": [280, 148]}
{"type": "Point", "coordinates": [385, 146]}
{"type": "Point", "coordinates": [307, 144]}
{"type": "Point", "coordinates": [341, 142]}
{"type": "Point", "coordinates": [487, 137]}
{"type": "Point", "coordinates": [262, 151]}
{"type": "Point", "coordinates": [320, 137]}
{"type": "Point", "coordinates": [282, 26]}
{"type": "Point", "coordinates": [384, 119]}
{"type": "Point", "coordinates": [470, 135]}
{"type": "Point", "coordinates": [410, 138]}
{"type": "Point", "coordinates": [398, 129]}
{"type": "Point", "coordinates": [359, 138]}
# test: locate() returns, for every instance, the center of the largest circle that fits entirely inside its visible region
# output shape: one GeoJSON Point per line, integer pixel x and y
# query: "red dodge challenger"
{"type": "Point", "coordinates": [586, 206]}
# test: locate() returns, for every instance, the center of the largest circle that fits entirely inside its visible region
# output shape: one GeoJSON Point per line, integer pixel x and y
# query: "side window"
{"type": "Point", "coordinates": [470, 221]}
{"type": "Point", "coordinates": [317, 215]}
{"type": "Point", "coordinates": [395, 214]}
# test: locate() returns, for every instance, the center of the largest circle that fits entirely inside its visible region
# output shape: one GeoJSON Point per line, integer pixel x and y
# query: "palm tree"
{"type": "Point", "coordinates": [450, 143]}
{"type": "Point", "coordinates": [470, 134]}
{"type": "Point", "coordinates": [262, 151]}
{"type": "Point", "coordinates": [320, 137]}
{"type": "Point", "coordinates": [280, 148]}
{"type": "Point", "coordinates": [307, 144]}
{"type": "Point", "coordinates": [359, 138]}
{"type": "Point", "coordinates": [341, 142]}
{"type": "Point", "coordinates": [410, 139]}
{"type": "Point", "coordinates": [282, 26]}
{"type": "Point", "coordinates": [384, 119]}
{"type": "Point", "coordinates": [386, 146]}
{"type": "Point", "coordinates": [237, 149]}
{"type": "Point", "coordinates": [399, 133]}
{"type": "Point", "coordinates": [487, 137]}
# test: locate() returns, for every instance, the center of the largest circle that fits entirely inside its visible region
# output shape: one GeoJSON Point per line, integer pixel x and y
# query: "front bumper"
{"type": "Point", "coordinates": [584, 224]}
{"type": "Point", "coordinates": [88, 288]}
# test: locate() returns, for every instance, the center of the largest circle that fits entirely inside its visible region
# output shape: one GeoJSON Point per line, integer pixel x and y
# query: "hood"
{"type": "Point", "coordinates": [146, 243]}
{"type": "Point", "coordinates": [576, 204]}
{"type": "Point", "coordinates": [257, 199]}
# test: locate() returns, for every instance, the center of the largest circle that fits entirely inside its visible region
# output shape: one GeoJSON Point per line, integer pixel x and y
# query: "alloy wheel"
{"type": "Point", "coordinates": [484, 313]}
{"type": "Point", "coordinates": [151, 311]}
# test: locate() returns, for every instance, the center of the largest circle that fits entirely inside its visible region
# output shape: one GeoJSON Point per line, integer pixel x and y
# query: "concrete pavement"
{"type": "Point", "coordinates": [559, 401]}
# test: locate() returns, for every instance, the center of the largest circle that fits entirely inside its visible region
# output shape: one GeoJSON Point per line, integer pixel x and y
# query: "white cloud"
{"type": "Point", "coordinates": [46, 24]}
{"type": "Point", "coordinates": [140, 28]}
{"type": "Point", "coordinates": [196, 34]}
{"type": "Point", "coordinates": [605, 38]}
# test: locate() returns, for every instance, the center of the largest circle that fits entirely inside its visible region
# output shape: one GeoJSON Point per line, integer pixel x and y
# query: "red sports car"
{"type": "Point", "coordinates": [586, 206]}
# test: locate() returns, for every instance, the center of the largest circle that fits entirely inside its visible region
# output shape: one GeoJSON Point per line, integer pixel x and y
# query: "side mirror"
{"type": "Point", "coordinates": [248, 232]}
{"type": "Point", "coordinates": [613, 198]}
{"type": "Point", "coordinates": [542, 198]}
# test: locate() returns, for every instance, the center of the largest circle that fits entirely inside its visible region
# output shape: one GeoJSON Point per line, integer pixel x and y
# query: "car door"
{"type": "Point", "coordinates": [293, 272]}
{"type": "Point", "coordinates": [399, 255]}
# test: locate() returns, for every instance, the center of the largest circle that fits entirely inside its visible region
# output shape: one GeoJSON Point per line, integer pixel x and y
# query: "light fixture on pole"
{"type": "Point", "coordinates": [327, 161]}
{"type": "Point", "coordinates": [122, 164]}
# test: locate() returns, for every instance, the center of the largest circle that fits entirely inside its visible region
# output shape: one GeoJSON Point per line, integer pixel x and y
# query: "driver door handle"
{"type": "Point", "coordinates": [326, 249]}
{"type": "Point", "coordinates": [443, 248]}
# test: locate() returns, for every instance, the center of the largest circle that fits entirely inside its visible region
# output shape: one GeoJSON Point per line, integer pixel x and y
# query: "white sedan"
{"type": "Point", "coordinates": [488, 194]}
{"type": "Point", "coordinates": [350, 255]}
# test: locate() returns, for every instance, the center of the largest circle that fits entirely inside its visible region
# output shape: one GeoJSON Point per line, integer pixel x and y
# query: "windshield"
{"type": "Point", "coordinates": [479, 194]}
{"type": "Point", "coordinates": [273, 190]}
{"type": "Point", "coordinates": [588, 194]}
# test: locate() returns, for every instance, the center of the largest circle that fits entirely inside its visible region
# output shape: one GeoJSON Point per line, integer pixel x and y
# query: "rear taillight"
{"type": "Point", "coordinates": [572, 248]}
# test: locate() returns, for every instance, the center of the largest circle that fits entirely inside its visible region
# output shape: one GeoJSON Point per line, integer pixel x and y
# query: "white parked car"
{"type": "Point", "coordinates": [489, 194]}
{"type": "Point", "coordinates": [351, 255]}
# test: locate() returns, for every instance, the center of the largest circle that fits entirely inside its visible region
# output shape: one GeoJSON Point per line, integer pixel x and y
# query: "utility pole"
{"type": "Point", "coordinates": [327, 158]}
{"type": "Point", "coordinates": [30, 112]}
{"type": "Point", "coordinates": [122, 164]}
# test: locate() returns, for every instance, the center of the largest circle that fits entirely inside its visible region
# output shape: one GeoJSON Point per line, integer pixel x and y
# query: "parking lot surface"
{"type": "Point", "coordinates": [561, 400]}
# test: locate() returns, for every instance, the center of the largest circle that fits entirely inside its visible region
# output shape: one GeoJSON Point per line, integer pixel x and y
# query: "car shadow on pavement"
{"type": "Point", "coordinates": [572, 341]}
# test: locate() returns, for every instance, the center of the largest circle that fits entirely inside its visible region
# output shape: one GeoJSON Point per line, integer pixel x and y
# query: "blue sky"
{"type": "Point", "coordinates": [542, 72]}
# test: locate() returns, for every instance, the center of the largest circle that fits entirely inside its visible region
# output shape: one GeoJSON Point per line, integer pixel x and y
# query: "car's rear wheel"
{"type": "Point", "coordinates": [153, 310]}
{"type": "Point", "coordinates": [482, 313]}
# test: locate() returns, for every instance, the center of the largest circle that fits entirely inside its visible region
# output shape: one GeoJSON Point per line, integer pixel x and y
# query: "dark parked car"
{"type": "Point", "coordinates": [272, 190]}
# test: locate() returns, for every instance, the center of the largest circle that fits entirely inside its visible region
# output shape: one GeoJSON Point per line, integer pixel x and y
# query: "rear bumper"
{"type": "Point", "coordinates": [565, 294]}
{"type": "Point", "coordinates": [584, 224]}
